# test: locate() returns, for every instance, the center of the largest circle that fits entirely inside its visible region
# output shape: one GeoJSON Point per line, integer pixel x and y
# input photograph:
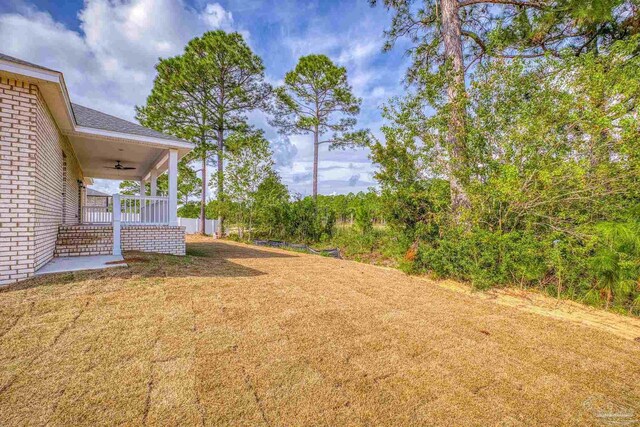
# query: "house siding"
{"type": "Point", "coordinates": [18, 129]}
{"type": "Point", "coordinates": [57, 190]}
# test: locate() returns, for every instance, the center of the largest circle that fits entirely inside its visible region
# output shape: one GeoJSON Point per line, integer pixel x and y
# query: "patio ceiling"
{"type": "Point", "coordinates": [97, 156]}
{"type": "Point", "coordinates": [100, 140]}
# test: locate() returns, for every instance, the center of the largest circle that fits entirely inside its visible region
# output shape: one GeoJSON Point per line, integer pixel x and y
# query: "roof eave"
{"type": "Point", "coordinates": [157, 142]}
{"type": "Point", "coordinates": [52, 87]}
{"type": "Point", "coordinates": [54, 91]}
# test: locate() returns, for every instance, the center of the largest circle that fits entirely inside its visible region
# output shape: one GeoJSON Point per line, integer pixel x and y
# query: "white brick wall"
{"type": "Point", "coordinates": [71, 190]}
{"type": "Point", "coordinates": [76, 240]}
{"type": "Point", "coordinates": [18, 105]}
{"type": "Point", "coordinates": [97, 201]}
{"type": "Point", "coordinates": [32, 181]}
{"type": "Point", "coordinates": [51, 174]}
{"type": "Point", "coordinates": [164, 239]}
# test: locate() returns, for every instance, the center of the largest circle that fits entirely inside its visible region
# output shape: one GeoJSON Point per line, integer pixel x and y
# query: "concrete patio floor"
{"type": "Point", "coordinates": [78, 263]}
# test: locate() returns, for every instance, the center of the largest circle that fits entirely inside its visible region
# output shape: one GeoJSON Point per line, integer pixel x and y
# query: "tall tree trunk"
{"type": "Point", "coordinates": [220, 183]}
{"type": "Point", "coordinates": [203, 197]}
{"type": "Point", "coordinates": [451, 33]}
{"type": "Point", "coordinates": [315, 162]}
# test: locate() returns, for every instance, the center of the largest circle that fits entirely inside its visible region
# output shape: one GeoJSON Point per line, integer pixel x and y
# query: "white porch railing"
{"type": "Point", "coordinates": [97, 214]}
{"type": "Point", "coordinates": [144, 210]}
{"type": "Point", "coordinates": [133, 210]}
{"type": "Point", "coordinates": [140, 210]}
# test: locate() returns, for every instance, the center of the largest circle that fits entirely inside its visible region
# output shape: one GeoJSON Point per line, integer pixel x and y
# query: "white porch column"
{"type": "Point", "coordinates": [154, 182]}
{"type": "Point", "coordinates": [116, 225]}
{"type": "Point", "coordinates": [173, 187]}
{"type": "Point", "coordinates": [143, 204]}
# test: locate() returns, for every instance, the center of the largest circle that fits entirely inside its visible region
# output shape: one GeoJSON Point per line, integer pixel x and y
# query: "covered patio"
{"type": "Point", "coordinates": [52, 150]}
{"type": "Point", "coordinates": [107, 147]}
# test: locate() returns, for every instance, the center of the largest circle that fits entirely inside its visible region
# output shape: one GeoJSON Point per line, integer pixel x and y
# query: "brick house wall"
{"type": "Point", "coordinates": [55, 203]}
{"type": "Point", "coordinates": [71, 190]}
{"type": "Point", "coordinates": [32, 173]}
{"type": "Point", "coordinates": [18, 105]}
{"type": "Point", "coordinates": [164, 239]}
{"type": "Point", "coordinates": [78, 240]}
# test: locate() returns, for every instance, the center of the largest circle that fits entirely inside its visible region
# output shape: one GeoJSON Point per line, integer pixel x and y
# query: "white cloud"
{"type": "Point", "coordinates": [215, 16]}
{"type": "Point", "coordinates": [379, 92]}
{"type": "Point", "coordinates": [359, 50]}
{"type": "Point", "coordinates": [109, 64]}
{"type": "Point", "coordinates": [315, 41]}
{"type": "Point", "coordinates": [283, 152]}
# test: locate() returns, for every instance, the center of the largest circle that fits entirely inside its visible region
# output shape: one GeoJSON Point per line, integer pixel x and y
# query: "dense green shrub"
{"type": "Point", "coordinates": [601, 269]}
{"type": "Point", "coordinates": [550, 173]}
{"type": "Point", "coordinates": [486, 258]}
{"type": "Point", "coordinates": [308, 223]}
{"type": "Point", "coordinates": [363, 220]}
{"type": "Point", "coordinates": [189, 210]}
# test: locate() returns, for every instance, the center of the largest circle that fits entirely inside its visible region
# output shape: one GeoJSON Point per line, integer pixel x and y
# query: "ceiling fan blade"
{"type": "Point", "coordinates": [127, 168]}
{"type": "Point", "coordinates": [109, 167]}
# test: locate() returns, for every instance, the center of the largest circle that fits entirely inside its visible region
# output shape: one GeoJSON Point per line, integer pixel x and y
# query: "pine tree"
{"type": "Point", "coordinates": [204, 94]}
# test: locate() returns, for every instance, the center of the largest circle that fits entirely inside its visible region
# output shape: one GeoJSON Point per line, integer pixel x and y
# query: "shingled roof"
{"type": "Point", "coordinates": [95, 119]}
{"type": "Point", "coordinates": [20, 61]}
{"type": "Point", "coordinates": [91, 118]}
{"type": "Point", "coordinates": [96, 193]}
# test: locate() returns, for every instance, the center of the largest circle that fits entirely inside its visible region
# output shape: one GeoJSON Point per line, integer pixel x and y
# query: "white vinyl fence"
{"type": "Point", "coordinates": [192, 225]}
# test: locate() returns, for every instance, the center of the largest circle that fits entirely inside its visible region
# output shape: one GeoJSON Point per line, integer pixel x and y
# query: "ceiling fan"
{"type": "Point", "coordinates": [119, 167]}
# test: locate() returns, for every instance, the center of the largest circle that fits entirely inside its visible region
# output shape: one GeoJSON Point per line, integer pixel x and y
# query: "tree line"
{"type": "Point", "coordinates": [204, 95]}
{"type": "Point", "coordinates": [511, 158]}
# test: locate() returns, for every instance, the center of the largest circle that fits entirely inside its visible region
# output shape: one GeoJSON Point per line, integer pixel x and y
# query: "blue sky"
{"type": "Point", "coordinates": [107, 50]}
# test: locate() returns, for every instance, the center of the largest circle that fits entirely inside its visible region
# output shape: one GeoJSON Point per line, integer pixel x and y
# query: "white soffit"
{"type": "Point", "coordinates": [53, 89]}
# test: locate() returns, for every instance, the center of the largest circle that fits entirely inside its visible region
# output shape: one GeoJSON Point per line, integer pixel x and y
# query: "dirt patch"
{"type": "Point", "coordinates": [116, 262]}
{"type": "Point", "coordinates": [535, 302]}
{"type": "Point", "coordinates": [241, 335]}
{"type": "Point", "coordinates": [135, 259]}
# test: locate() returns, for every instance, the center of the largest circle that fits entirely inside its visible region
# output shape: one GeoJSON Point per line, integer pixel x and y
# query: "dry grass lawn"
{"type": "Point", "coordinates": [238, 335]}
